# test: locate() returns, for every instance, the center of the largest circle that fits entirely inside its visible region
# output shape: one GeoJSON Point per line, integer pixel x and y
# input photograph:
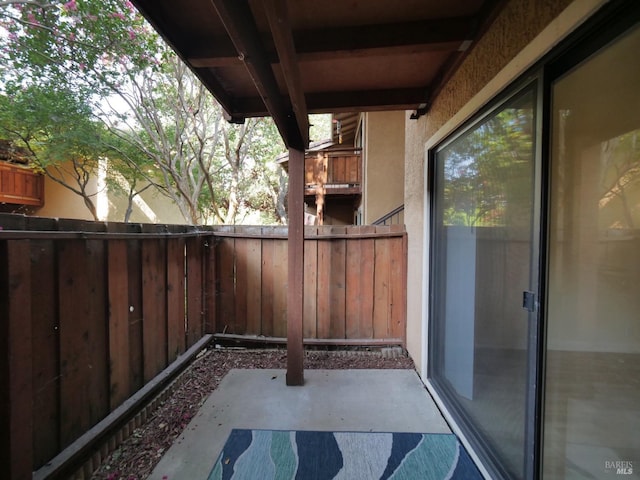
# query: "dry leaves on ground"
{"type": "Point", "coordinates": [137, 456]}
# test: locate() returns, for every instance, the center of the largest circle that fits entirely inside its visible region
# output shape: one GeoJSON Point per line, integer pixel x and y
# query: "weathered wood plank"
{"type": "Point", "coordinates": [98, 329]}
{"type": "Point", "coordinates": [398, 290]}
{"type": "Point", "coordinates": [226, 275]}
{"type": "Point", "coordinates": [120, 373]}
{"type": "Point", "coordinates": [381, 304]}
{"type": "Point", "coordinates": [309, 323]}
{"type": "Point", "coordinates": [134, 267]}
{"type": "Point", "coordinates": [154, 324]}
{"type": "Point", "coordinates": [282, 288]}
{"type": "Point", "coordinates": [176, 334]}
{"type": "Point", "coordinates": [76, 330]}
{"type": "Point", "coordinates": [16, 385]}
{"type": "Point", "coordinates": [268, 286]}
{"type": "Point", "coordinates": [210, 286]}
{"type": "Point", "coordinates": [195, 304]}
{"type": "Point", "coordinates": [241, 285]}
{"type": "Point", "coordinates": [254, 285]}
{"type": "Point", "coordinates": [324, 284]}
{"type": "Point", "coordinates": [359, 285]}
{"type": "Point", "coordinates": [46, 384]}
{"type": "Point", "coordinates": [337, 293]}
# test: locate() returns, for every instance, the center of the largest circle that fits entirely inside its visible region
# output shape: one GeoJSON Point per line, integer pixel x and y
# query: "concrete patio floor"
{"type": "Point", "coordinates": [330, 400]}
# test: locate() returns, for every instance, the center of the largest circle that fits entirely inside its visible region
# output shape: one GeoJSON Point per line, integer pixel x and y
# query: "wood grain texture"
{"type": "Point", "coordinates": [154, 323]}
{"type": "Point", "coordinates": [120, 373]}
{"type": "Point", "coordinates": [195, 299]}
{"type": "Point", "coordinates": [176, 330]}
{"type": "Point", "coordinates": [45, 341]}
{"type": "Point", "coordinates": [16, 386]}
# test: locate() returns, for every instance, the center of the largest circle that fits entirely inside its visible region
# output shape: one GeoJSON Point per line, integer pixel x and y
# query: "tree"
{"type": "Point", "coordinates": [488, 172]}
{"type": "Point", "coordinates": [65, 145]}
{"type": "Point", "coordinates": [154, 109]}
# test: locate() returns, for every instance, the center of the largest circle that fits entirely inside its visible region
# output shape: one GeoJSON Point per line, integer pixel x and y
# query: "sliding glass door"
{"type": "Point", "coordinates": [534, 336]}
{"type": "Point", "coordinates": [592, 406]}
{"type": "Point", "coordinates": [482, 257]}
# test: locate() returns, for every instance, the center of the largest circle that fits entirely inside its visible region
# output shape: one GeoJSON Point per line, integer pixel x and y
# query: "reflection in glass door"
{"type": "Point", "coordinates": [483, 210]}
{"type": "Point", "coordinates": [592, 397]}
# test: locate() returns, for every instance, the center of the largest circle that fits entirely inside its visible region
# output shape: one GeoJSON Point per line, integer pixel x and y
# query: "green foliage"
{"type": "Point", "coordinates": [488, 171]}
{"type": "Point", "coordinates": [90, 78]}
{"type": "Point", "coordinates": [52, 122]}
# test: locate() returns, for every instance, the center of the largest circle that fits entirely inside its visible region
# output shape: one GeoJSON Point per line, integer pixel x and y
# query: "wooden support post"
{"type": "Point", "coordinates": [295, 287]}
{"type": "Point", "coordinates": [16, 382]}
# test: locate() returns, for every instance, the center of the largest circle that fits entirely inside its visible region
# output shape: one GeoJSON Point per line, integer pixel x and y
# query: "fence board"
{"type": "Point", "coordinates": [398, 289]}
{"type": "Point", "coordinates": [241, 285]}
{"type": "Point", "coordinates": [16, 393]}
{"type": "Point", "coordinates": [210, 285]}
{"type": "Point", "coordinates": [76, 330]}
{"type": "Point", "coordinates": [98, 329]}
{"type": "Point", "coordinates": [280, 274]}
{"type": "Point", "coordinates": [118, 322]}
{"type": "Point", "coordinates": [195, 306]}
{"type": "Point", "coordinates": [254, 285]}
{"type": "Point", "coordinates": [134, 267]}
{"type": "Point", "coordinates": [359, 285]}
{"type": "Point", "coordinates": [309, 322]}
{"type": "Point", "coordinates": [337, 281]}
{"type": "Point", "coordinates": [381, 289]}
{"type": "Point", "coordinates": [226, 276]}
{"type": "Point", "coordinates": [44, 319]}
{"type": "Point", "coordinates": [154, 325]}
{"type": "Point", "coordinates": [268, 286]}
{"type": "Point", "coordinates": [324, 283]}
{"type": "Point", "coordinates": [176, 335]}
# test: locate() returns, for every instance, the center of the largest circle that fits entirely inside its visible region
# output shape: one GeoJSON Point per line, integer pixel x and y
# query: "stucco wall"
{"type": "Point", "coordinates": [60, 202]}
{"type": "Point", "coordinates": [519, 36]}
{"type": "Point", "coordinates": [152, 207]}
{"type": "Point", "coordinates": [384, 165]}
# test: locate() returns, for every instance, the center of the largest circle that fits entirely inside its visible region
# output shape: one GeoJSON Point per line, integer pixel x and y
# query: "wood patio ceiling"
{"type": "Point", "coordinates": [289, 58]}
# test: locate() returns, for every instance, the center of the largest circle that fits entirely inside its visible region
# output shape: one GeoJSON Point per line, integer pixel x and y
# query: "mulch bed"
{"type": "Point", "coordinates": [136, 457]}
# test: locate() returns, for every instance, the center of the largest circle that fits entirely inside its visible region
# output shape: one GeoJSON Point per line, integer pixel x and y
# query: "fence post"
{"type": "Point", "coordinates": [16, 383]}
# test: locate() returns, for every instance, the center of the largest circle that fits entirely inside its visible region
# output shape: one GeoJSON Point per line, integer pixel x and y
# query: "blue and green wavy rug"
{"type": "Point", "coordinates": [270, 454]}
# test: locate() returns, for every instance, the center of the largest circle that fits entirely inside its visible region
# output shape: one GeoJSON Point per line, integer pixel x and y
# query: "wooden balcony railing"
{"type": "Point", "coordinates": [95, 318]}
{"type": "Point", "coordinates": [20, 185]}
{"type": "Point", "coordinates": [336, 172]}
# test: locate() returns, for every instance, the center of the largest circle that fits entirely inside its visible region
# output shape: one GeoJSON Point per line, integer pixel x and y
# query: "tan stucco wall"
{"type": "Point", "coordinates": [519, 36]}
{"type": "Point", "coordinates": [60, 202]}
{"type": "Point", "coordinates": [160, 209]}
{"type": "Point", "coordinates": [384, 164]}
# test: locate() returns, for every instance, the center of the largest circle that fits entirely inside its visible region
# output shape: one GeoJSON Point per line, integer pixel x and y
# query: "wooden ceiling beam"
{"type": "Point", "coordinates": [361, 101]}
{"type": "Point", "coordinates": [332, 43]}
{"type": "Point", "coordinates": [238, 20]}
{"type": "Point", "coordinates": [345, 102]}
{"type": "Point", "coordinates": [280, 25]}
{"type": "Point", "coordinates": [347, 41]}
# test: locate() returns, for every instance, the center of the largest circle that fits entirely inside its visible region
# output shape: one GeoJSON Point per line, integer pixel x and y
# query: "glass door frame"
{"type": "Point", "coordinates": [533, 83]}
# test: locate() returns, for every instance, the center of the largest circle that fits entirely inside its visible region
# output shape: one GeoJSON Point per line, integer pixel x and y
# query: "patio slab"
{"type": "Point", "coordinates": [330, 400]}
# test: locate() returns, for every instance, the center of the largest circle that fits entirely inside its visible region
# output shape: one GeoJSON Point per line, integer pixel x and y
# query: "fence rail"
{"type": "Point", "coordinates": [91, 312]}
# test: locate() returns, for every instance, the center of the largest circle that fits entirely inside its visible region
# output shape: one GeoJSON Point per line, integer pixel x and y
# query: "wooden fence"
{"type": "Point", "coordinates": [86, 320]}
{"type": "Point", "coordinates": [354, 283]}
{"type": "Point", "coordinates": [91, 312]}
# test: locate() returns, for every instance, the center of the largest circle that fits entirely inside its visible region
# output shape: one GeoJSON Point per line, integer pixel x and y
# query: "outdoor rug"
{"type": "Point", "coordinates": [269, 454]}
